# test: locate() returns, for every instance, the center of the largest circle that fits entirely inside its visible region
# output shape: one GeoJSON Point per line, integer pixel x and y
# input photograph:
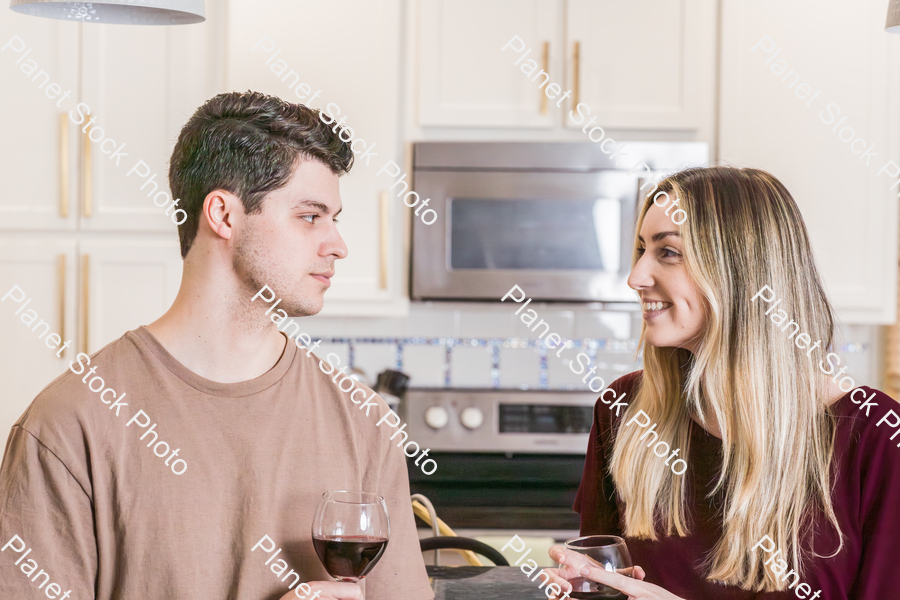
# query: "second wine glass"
{"type": "Point", "coordinates": [612, 554]}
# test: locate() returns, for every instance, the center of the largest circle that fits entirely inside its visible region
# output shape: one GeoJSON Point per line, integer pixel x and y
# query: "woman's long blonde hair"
{"type": "Point", "coordinates": [743, 231]}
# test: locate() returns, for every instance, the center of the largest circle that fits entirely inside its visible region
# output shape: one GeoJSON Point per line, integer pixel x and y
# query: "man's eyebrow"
{"type": "Point", "coordinates": [323, 208]}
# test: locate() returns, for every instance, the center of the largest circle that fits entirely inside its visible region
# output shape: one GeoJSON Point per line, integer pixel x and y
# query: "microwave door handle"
{"type": "Point", "coordinates": [487, 245]}
{"type": "Point", "coordinates": [488, 249]}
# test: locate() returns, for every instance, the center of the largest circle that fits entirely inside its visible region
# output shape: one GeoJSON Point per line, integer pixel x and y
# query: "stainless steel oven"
{"type": "Point", "coordinates": [556, 219]}
{"type": "Point", "coordinates": [507, 459]}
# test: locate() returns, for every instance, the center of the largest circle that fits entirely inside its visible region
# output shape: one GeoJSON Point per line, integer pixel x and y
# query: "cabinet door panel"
{"type": "Point", "coordinates": [126, 88]}
{"type": "Point", "coordinates": [767, 122]}
{"type": "Point", "coordinates": [37, 186]}
{"type": "Point", "coordinates": [645, 64]}
{"type": "Point", "coordinates": [360, 76]}
{"type": "Point", "coordinates": [141, 83]}
{"type": "Point", "coordinates": [127, 283]}
{"type": "Point", "coordinates": [43, 267]}
{"type": "Point", "coordinates": [464, 77]}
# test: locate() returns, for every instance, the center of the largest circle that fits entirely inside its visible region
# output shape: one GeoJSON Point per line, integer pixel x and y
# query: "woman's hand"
{"type": "Point", "coordinates": [326, 590]}
{"type": "Point", "coordinates": [575, 565]}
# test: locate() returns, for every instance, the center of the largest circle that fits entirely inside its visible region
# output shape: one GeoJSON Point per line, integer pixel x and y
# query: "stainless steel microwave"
{"type": "Point", "coordinates": [556, 219]}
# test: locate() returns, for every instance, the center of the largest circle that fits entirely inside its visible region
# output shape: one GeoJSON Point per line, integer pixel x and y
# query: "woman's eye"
{"type": "Point", "coordinates": [310, 218]}
{"type": "Point", "coordinates": [669, 253]}
{"type": "Point", "coordinates": [640, 249]}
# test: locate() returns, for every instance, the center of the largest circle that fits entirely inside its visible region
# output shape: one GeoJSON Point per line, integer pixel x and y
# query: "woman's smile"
{"type": "Point", "coordinates": [654, 308]}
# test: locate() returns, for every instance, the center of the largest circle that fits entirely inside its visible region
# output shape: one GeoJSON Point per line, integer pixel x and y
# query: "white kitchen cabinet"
{"type": "Point", "coordinates": [360, 75]}
{"type": "Point", "coordinates": [645, 64]}
{"type": "Point", "coordinates": [98, 287]}
{"type": "Point", "coordinates": [141, 83]}
{"type": "Point", "coordinates": [38, 160]}
{"type": "Point", "coordinates": [465, 79]}
{"type": "Point", "coordinates": [784, 77]}
{"type": "Point", "coordinates": [125, 86]}
{"type": "Point", "coordinates": [45, 270]}
{"type": "Point", "coordinates": [125, 283]}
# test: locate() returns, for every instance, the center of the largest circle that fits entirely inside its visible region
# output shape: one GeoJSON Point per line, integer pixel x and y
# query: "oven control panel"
{"type": "Point", "coordinates": [477, 420]}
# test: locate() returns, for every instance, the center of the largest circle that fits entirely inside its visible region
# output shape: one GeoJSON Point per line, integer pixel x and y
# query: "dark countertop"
{"type": "Point", "coordinates": [483, 583]}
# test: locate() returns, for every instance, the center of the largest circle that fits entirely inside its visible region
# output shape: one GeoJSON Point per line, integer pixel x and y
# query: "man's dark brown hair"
{"type": "Point", "coordinates": [247, 144]}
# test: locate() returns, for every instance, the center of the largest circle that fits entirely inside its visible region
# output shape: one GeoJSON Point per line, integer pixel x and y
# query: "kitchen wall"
{"type": "Point", "coordinates": [102, 259]}
{"type": "Point", "coordinates": [437, 337]}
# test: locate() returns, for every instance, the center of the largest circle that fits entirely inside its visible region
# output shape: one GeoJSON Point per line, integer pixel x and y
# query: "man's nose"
{"type": "Point", "coordinates": [334, 245]}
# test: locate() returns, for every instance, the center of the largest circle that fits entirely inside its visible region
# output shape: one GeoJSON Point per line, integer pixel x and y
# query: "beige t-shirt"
{"type": "Point", "coordinates": [105, 517]}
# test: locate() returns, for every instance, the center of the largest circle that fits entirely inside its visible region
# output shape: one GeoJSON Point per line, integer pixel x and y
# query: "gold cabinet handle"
{"type": "Point", "coordinates": [86, 187]}
{"type": "Point", "coordinates": [63, 165]}
{"type": "Point", "coordinates": [576, 68]}
{"type": "Point", "coordinates": [61, 282]}
{"type": "Point", "coordinates": [85, 301]}
{"type": "Point", "coordinates": [545, 65]}
{"type": "Point", "coordinates": [384, 242]}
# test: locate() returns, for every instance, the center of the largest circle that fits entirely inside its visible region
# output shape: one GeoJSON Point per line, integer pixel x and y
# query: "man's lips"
{"type": "Point", "coordinates": [324, 277]}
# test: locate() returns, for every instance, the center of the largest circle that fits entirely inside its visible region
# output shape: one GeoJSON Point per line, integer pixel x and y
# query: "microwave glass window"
{"type": "Point", "coordinates": [535, 234]}
{"type": "Point", "coordinates": [540, 418]}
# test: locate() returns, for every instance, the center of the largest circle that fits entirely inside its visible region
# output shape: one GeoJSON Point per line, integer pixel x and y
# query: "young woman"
{"type": "Point", "coordinates": [790, 486]}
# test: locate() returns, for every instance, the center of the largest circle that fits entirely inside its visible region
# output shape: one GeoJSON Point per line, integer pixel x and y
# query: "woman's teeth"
{"type": "Point", "coordinates": [651, 306]}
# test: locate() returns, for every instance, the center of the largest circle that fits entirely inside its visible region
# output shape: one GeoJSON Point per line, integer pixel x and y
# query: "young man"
{"type": "Point", "coordinates": [185, 459]}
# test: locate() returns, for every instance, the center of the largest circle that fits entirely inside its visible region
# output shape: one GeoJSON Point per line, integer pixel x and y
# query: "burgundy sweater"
{"type": "Point", "coordinates": [865, 493]}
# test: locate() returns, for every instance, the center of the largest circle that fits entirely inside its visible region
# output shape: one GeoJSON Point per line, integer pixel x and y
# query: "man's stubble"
{"type": "Point", "coordinates": [254, 270]}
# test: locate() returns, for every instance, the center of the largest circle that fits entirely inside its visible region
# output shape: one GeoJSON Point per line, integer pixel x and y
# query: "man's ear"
{"type": "Point", "coordinates": [219, 211]}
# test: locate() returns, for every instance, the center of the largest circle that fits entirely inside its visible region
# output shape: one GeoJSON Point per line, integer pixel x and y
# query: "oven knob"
{"type": "Point", "coordinates": [437, 417]}
{"type": "Point", "coordinates": [471, 418]}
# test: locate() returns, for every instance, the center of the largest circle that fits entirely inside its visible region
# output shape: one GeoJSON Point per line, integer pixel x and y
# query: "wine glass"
{"type": "Point", "coordinates": [612, 554]}
{"type": "Point", "coordinates": [350, 532]}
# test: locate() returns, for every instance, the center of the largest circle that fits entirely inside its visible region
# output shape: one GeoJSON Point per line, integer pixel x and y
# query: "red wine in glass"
{"type": "Point", "coordinates": [351, 556]}
{"type": "Point", "coordinates": [350, 533]}
{"type": "Point", "coordinates": [591, 590]}
{"type": "Point", "coordinates": [607, 550]}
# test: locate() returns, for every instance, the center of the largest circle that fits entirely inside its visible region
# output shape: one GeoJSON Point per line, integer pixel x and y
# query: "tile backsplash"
{"type": "Point", "coordinates": [484, 345]}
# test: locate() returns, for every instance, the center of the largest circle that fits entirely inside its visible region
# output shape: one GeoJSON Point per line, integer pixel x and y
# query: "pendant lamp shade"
{"type": "Point", "coordinates": [124, 12]}
{"type": "Point", "coordinates": [893, 17]}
